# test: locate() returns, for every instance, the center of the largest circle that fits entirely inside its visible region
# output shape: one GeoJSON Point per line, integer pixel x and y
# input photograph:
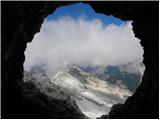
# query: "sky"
{"type": "Point", "coordinates": [83, 10]}
{"type": "Point", "coordinates": [76, 35]}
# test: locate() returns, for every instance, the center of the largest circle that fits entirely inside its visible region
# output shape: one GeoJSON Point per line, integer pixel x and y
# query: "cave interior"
{"type": "Point", "coordinates": [22, 20]}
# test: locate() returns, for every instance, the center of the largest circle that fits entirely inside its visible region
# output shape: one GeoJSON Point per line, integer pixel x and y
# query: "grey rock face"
{"type": "Point", "coordinates": [41, 91]}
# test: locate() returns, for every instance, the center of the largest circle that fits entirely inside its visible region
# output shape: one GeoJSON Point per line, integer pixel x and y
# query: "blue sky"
{"type": "Point", "coordinates": [80, 9]}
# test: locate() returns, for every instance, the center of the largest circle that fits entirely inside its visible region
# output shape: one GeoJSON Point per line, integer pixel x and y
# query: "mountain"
{"type": "Point", "coordinates": [129, 74]}
{"type": "Point", "coordinates": [94, 89]}
{"type": "Point", "coordinates": [93, 96]}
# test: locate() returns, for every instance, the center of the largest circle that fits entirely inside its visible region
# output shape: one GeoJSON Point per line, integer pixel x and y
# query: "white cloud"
{"type": "Point", "coordinates": [68, 41]}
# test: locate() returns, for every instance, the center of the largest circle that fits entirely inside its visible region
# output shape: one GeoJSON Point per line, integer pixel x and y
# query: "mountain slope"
{"type": "Point", "coordinates": [93, 96]}
{"type": "Point", "coordinates": [51, 99]}
{"type": "Point", "coordinates": [129, 74]}
{"type": "Point", "coordinates": [91, 91]}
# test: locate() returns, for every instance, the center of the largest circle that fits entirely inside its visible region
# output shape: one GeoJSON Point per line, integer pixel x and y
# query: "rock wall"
{"type": "Point", "coordinates": [21, 20]}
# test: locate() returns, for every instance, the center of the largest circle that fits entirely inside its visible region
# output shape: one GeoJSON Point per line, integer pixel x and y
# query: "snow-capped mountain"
{"type": "Point", "coordinates": [129, 74]}
{"type": "Point", "coordinates": [94, 89]}
{"type": "Point", "coordinates": [93, 96]}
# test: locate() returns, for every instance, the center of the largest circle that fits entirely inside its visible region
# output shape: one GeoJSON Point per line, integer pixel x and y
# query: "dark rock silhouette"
{"type": "Point", "coordinates": [21, 20]}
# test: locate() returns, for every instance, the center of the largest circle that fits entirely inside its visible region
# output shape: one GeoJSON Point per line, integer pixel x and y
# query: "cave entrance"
{"type": "Point", "coordinates": [92, 58]}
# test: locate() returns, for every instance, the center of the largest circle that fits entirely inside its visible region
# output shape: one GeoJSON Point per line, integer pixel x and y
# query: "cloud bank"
{"type": "Point", "coordinates": [67, 41]}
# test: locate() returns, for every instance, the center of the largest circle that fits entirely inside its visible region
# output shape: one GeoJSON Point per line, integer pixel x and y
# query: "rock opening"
{"type": "Point", "coordinates": [25, 18]}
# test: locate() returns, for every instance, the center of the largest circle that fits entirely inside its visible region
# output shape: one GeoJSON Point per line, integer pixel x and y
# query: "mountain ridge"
{"type": "Point", "coordinates": [92, 90]}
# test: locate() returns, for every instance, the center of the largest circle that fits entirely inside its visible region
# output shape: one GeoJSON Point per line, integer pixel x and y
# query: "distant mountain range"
{"type": "Point", "coordinates": [129, 75]}
{"type": "Point", "coordinates": [95, 89]}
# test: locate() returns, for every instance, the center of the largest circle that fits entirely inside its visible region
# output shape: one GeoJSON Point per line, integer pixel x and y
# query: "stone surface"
{"type": "Point", "coordinates": [21, 20]}
{"type": "Point", "coordinates": [53, 101]}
